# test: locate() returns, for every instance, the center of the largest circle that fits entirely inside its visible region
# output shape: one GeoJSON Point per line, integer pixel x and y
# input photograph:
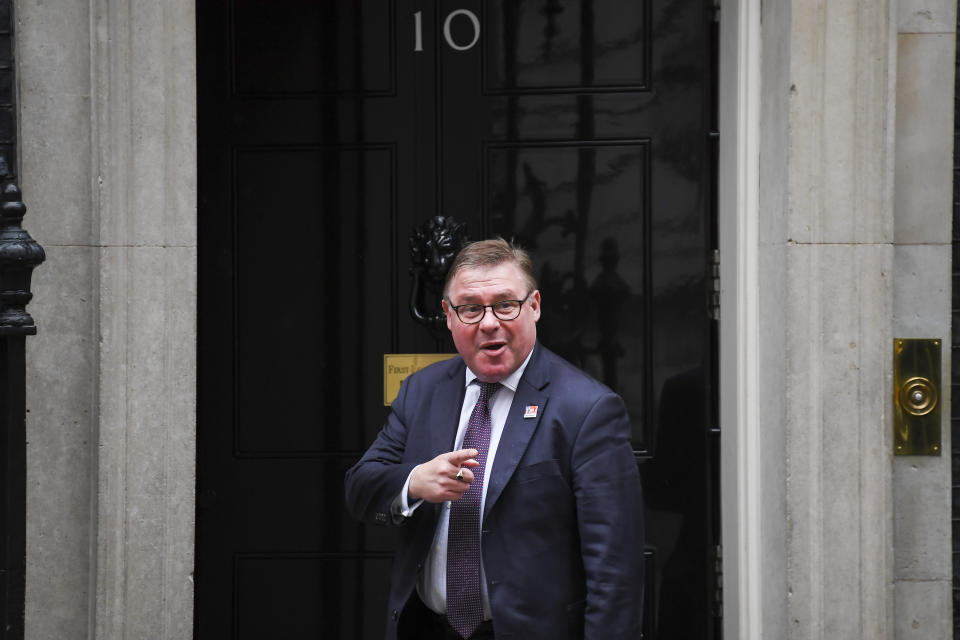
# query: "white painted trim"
{"type": "Point", "coordinates": [739, 167]}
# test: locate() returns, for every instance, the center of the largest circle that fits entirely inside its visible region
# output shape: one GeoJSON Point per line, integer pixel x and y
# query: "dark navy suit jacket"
{"type": "Point", "coordinates": [562, 532]}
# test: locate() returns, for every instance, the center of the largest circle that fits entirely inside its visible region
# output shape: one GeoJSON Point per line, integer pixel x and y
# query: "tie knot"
{"type": "Point", "coordinates": [487, 389]}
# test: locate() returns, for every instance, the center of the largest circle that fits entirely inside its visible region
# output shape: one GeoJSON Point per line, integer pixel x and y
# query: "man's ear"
{"type": "Point", "coordinates": [535, 304]}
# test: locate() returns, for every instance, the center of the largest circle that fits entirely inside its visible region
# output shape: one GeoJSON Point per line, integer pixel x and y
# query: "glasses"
{"type": "Point", "coordinates": [503, 309]}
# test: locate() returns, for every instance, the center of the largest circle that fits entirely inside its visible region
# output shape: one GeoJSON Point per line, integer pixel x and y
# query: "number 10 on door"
{"type": "Point", "coordinates": [447, 35]}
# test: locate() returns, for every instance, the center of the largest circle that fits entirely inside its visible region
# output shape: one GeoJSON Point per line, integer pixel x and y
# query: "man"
{"type": "Point", "coordinates": [511, 478]}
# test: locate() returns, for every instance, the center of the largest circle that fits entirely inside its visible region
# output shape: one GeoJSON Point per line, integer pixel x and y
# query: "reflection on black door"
{"type": "Point", "coordinates": [328, 131]}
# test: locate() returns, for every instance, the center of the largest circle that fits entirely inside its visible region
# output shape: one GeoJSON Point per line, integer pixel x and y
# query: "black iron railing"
{"type": "Point", "coordinates": [19, 255]}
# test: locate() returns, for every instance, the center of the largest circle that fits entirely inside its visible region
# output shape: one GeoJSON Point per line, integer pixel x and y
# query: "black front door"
{"type": "Point", "coordinates": [328, 131]}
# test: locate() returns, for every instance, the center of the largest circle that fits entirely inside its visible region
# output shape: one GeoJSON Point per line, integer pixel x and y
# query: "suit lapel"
{"type": "Point", "coordinates": [445, 411]}
{"type": "Point", "coordinates": [517, 430]}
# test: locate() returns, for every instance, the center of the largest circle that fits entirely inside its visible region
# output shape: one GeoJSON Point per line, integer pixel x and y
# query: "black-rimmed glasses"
{"type": "Point", "coordinates": [472, 313]}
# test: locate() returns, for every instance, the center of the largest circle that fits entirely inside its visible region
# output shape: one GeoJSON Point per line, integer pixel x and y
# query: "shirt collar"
{"type": "Point", "coordinates": [511, 381]}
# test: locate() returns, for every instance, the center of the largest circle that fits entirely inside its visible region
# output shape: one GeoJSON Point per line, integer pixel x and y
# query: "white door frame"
{"type": "Point", "coordinates": [738, 207]}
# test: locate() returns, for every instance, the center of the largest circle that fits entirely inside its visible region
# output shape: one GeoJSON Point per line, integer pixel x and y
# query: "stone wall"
{"type": "Point", "coordinates": [853, 249]}
{"type": "Point", "coordinates": [107, 118]}
{"type": "Point", "coordinates": [926, 31]}
{"type": "Point", "coordinates": [55, 109]}
{"type": "Point", "coordinates": [835, 238]}
{"type": "Point", "coordinates": [955, 347]}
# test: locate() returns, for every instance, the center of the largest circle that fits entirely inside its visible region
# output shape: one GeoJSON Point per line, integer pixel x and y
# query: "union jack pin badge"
{"type": "Point", "coordinates": [530, 411]}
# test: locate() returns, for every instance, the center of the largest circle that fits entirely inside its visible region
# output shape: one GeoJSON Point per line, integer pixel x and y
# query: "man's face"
{"type": "Point", "coordinates": [493, 348]}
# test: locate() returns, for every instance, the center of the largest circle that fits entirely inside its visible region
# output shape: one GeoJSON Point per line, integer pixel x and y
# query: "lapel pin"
{"type": "Point", "coordinates": [530, 411]}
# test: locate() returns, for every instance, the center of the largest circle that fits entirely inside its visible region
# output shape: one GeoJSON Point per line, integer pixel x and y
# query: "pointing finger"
{"type": "Point", "coordinates": [462, 456]}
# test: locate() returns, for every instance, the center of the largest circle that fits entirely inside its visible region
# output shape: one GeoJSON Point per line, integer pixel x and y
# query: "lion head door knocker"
{"type": "Point", "coordinates": [433, 246]}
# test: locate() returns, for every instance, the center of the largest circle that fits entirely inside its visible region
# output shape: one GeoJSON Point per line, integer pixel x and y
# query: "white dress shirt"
{"type": "Point", "coordinates": [432, 585]}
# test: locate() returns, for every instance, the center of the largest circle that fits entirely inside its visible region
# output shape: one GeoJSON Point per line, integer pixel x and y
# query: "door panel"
{"type": "Point", "coordinates": [298, 596]}
{"type": "Point", "coordinates": [324, 199]}
{"type": "Point", "coordinates": [568, 46]}
{"type": "Point", "coordinates": [593, 263]}
{"type": "Point", "coordinates": [328, 131]}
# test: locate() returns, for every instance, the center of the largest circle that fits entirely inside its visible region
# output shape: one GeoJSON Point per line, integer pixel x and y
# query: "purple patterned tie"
{"type": "Point", "coordinates": [464, 606]}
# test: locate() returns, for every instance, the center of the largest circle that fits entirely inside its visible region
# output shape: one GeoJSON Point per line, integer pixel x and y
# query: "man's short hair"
{"type": "Point", "coordinates": [490, 253]}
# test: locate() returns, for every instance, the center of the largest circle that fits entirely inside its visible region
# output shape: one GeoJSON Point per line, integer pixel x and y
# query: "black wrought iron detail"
{"type": "Point", "coordinates": [19, 256]}
{"type": "Point", "coordinates": [433, 246]}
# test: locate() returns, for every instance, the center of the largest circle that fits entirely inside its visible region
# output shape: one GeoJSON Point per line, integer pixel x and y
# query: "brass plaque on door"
{"type": "Point", "coordinates": [397, 366]}
{"type": "Point", "coordinates": [916, 397]}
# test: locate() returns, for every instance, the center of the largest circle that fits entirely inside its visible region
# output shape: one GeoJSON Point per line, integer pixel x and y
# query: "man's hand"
{"type": "Point", "coordinates": [436, 480]}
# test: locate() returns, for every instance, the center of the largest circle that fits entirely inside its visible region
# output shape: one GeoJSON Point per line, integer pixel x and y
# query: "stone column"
{"type": "Point", "coordinates": [826, 236]}
{"type": "Point", "coordinates": [144, 140]}
{"type": "Point", "coordinates": [109, 148]}
{"type": "Point", "coordinates": [53, 74]}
